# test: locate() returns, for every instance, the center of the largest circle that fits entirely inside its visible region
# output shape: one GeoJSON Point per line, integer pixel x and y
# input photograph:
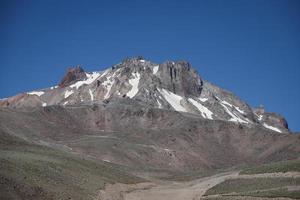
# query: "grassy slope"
{"type": "Point", "coordinates": [285, 166]}
{"type": "Point", "coordinates": [29, 171]}
{"type": "Point", "coordinates": [247, 185]}
{"type": "Point", "coordinates": [261, 187]}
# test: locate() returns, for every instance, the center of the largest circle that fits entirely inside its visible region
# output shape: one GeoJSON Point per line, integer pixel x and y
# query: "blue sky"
{"type": "Point", "coordinates": [251, 48]}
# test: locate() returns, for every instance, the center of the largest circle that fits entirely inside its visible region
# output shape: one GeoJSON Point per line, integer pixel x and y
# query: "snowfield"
{"type": "Point", "coordinates": [134, 82]}
{"type": "Point", "coordinates": [173, 99]}
{"type": "Point", "coordinates": [205, 112]}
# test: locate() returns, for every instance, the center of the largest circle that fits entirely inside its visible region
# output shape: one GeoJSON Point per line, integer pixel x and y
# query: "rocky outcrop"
{"type": "Point", "coordinates": [72, 75]}
{"type": "Point", "coordinates": [180, 78]}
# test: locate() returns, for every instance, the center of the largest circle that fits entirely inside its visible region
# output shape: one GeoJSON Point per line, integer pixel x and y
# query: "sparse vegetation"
{"type": "Point", "coordinates": [284, 166]}
{"type": "Point", "coordinates": [192, 175]}
{"type": "Point", "coordinates": [37, 172]}
{"type": "Point", "coordinates": [254, 186]}
{"type": "Point", "coordinates": [273, 193]}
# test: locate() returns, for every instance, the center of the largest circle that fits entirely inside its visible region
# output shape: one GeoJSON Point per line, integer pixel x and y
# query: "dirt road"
{"type": "Point", "coordinates": [166, 190]}
{"type": "Point", "coordinates": [179, 191]}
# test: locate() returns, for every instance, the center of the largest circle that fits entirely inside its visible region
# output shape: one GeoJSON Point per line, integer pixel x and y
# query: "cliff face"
{"type": "Point", "coordinates": [171, 85]}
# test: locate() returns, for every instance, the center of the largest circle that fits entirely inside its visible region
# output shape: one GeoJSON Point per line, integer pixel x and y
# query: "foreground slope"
{"type": "Point", "coordinates": [34, 171]}
{"type": "Point", "coordinates": [144, 137]}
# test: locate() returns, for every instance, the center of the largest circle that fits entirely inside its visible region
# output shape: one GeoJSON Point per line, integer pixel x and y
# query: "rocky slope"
{"type": "Point", "coordinates": [171, 85]}
{"type": "Point", "coordinates": [142, 137]}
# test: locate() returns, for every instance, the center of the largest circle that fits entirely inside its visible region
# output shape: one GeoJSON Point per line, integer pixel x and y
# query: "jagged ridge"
{"type": "Point", "coordinates": [170, 85]}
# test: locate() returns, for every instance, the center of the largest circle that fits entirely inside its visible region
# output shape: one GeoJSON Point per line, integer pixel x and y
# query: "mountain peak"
{"type": "Point", "coordinates": [73, 74]}
{"type": "Point", "coordinates": [171, 85]}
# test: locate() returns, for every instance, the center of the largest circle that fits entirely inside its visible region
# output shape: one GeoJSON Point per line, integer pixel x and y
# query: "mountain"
{"type": "Point", "coordinates": [170, 86]}
{"type": "Point", "coordinates": [136, 120]}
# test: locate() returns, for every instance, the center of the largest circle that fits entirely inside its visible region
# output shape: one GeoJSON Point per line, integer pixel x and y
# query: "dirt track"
{"type": "Point", "coordinates": [191, 190]}
{"type": "Point", "coordinates": [179, 191]}
{"type": "Point", "coordinates": [163, 190]}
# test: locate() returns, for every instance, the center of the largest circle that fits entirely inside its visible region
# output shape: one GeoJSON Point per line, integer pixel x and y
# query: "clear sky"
{"type": "Point", "coordinates": [251, 48]}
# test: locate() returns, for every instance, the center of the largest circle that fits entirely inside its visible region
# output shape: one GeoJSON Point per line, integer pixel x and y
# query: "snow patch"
{"type": "Point", "coordinates": [109, 83]}
{"type": "Point", "coordinates": [91, 94]}
{"type": "Point", "coordinates": [65, 103]}
{"type": "Point", "coordinates": [53, 87]}
{"type": "Point", "coordinates": [68, 93]}
{"type": "Point", "coordinates": [38, 93]}
{"type": "Point", "coordinates": [226, 103]}
{"type": "Point", "coordinates": [134, 82]}
{"type": "Point", "coordinates": [260, 117]}
{"type": "Point", "coordinates": [203, 99]}
{"type": "Point", "coordinates": [173, 99]}
{"type": "Point", "coordinates": [159, 104]}
{"type": "Point", "coordinates": [234, 117]}
{"type": "Point", "coordinates": [236, 107]}
{"type": "Point", "coordinates": [272, 128]}
{"type": "Point", "coordinates": [142, 61]}
{"type": "Point", "coordinates": [104, 73]}
{"type": "Point", "coordinates": [44, 104]}
{"type": "Point", "coordinates": [205, 112]}
{"type": "Point", "coordinates": [90, 78]}
{"type": "Point", "coordinates": [155, 69]}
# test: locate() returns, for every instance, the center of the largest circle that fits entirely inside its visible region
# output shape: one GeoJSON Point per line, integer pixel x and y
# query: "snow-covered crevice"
{"type": "Point", "coordinates": [38, 93]}
{"type": "Point", "coordinates": [272, 128]}
{"type": "Point", "coordinates": [68, 93]}
{"type": "Point", "coordinates": [236, 107]}
{"type": "Point", "coordinates": [158, 99]}
{"type": "Point", "coordinates": [91, 94]}
{"type": "Point", "coordinates": [158, 103]}
{"type": "Point", "coordinates": [234, 117]}
{"type": "Point", "coordinates": [44, 104]}
{"type": "Point", "coordinates": [155, 69]}
{"type": "Point", "coordinates": [108, 85]}
{"type": "Point", "coordinates": [205, 112]}
{"type": "Point", "coordinates": [134, 82]}
{"type": "Point", "coordinates": [173, 99]}
{"type": "Point", "coordinates": [110, 80]}
{"type": "Point", "coordinates": [90, 79]}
